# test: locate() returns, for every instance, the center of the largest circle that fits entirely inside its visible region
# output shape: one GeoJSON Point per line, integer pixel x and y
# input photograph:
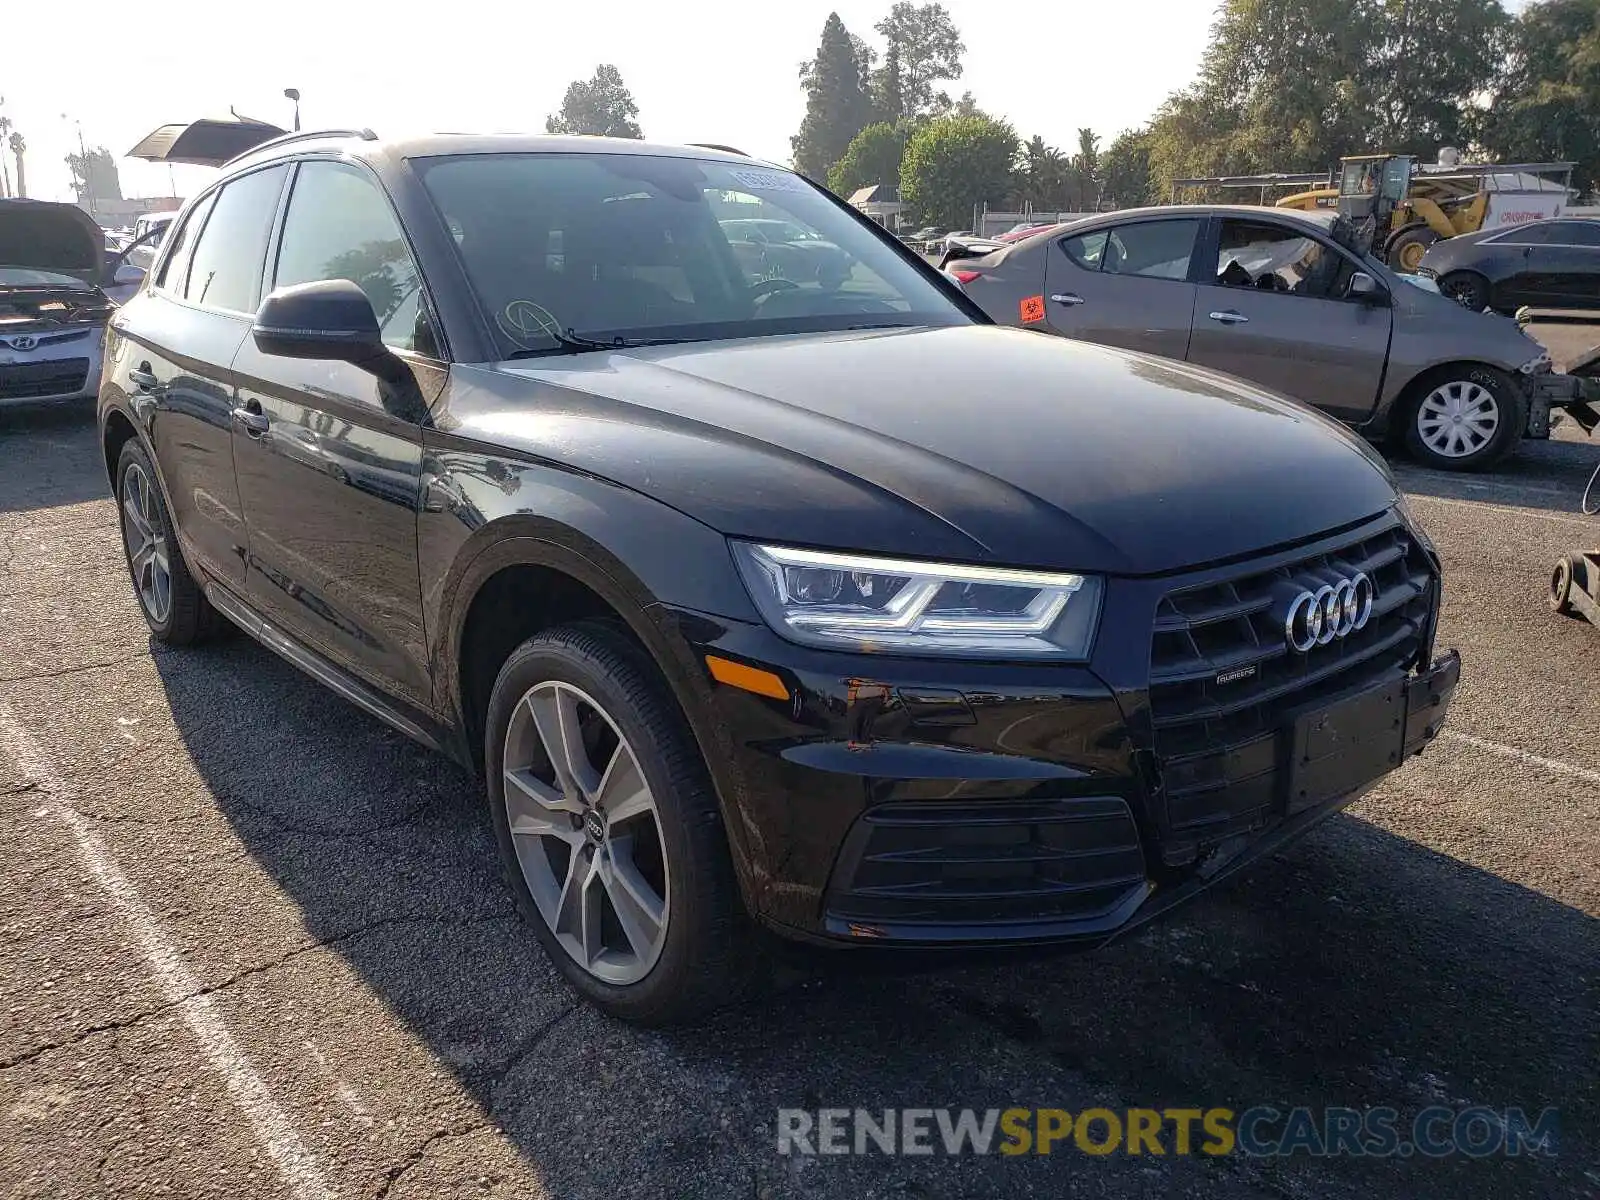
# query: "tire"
{"type": "Point", "coordinates": [1406, 251]}
{"type": "Point", "coordinates": [178, 613]}
{"type": "Point", "coordinates": [700, 956]}
{"type": "Point", "coordinates": [1464, 418]}
{"type": "Point", "coordinates": [1466, 288]}
{"type": "Point", "coordinates": [1561, 584]}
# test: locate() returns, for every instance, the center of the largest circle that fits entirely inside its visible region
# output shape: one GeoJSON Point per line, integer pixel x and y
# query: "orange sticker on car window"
{"type": "Point", "coordinates": [1032, 309]}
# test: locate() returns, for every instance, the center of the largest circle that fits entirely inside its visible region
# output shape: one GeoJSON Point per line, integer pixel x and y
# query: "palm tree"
{"type": "Point", "coordinates": [5, 175]}
{"type": "Point", "coordinates": [17, 147]}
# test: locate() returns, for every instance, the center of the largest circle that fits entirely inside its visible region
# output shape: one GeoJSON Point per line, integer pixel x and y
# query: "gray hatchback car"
{"type": "Point", "coordinates": [1285, 299]}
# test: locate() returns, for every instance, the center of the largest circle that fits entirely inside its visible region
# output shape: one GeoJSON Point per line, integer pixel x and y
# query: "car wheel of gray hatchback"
{"type": "Point", "coordinates": [1464, 419]}
{"type": "Point", "coordinates": [609, 829]}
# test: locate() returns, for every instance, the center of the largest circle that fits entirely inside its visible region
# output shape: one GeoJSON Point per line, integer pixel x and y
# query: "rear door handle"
{"type": "Point", "coordinates": [255, 421]}
{"type": "Point", "coordinates": [143, 378]}
{"type": "Point", "coordinates": [1229, 317]}
{"type": "Point", "coordinates": [1066, 298]}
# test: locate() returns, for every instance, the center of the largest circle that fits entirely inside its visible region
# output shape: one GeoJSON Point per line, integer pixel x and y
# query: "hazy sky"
{"type": "Point", "coordinates": [708, 71]}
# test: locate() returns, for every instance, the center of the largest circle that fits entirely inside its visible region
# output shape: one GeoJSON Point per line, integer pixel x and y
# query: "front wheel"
{"type": "Point", "coordinates": [1467, 289]}
{"type": "Point", "coordinates": [1406, 251]}
{"type": "Point", "coordinates": [610, 831]}
{"type": "Point", "coordinates": [1464, 419]}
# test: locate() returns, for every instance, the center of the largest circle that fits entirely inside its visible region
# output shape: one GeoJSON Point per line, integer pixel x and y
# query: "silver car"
{"type": "Point", "coordinates": [1284, 299]}
{"type": "Point", "coordinates": [53, 309]}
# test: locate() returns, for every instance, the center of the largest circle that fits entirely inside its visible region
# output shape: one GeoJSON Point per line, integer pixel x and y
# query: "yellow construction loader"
{"type": "Point", "coordinates": [1400, 207]}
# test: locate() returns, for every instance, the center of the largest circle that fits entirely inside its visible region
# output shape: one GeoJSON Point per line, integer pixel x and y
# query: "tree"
{"type": "Point", "coordinates": [94, 175]}
{"type": "Point", "coordinates": [872, 157]}
{"type": "Point", "coordinates": [1547, 101]}
{"type": "Point", "coordinates": [5, 175]}
{"type": "Point", "coordinates": [1125, 169]}
{"type": "Point", "coordinates": [837, 104]}
{"type": "Point", "coordinates": [1045, 179]}
{"type": "Point", "coordinates": [18, 148]}
{"type": "Point", "coordinates": [952, 164]}
{"type": "Point", "coordinates": [888, 98]}
{"type": "Point", "coordinates": [602, 106]}
{"type": "Point", "coordinates": [1292, 85]}
{"type": "Point", "coordinates": [925, 48]}
{"type": "Point", "coordinates": [1086, 164]}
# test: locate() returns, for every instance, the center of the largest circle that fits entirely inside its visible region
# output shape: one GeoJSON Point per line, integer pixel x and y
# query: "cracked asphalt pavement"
{"type": "Point", "coordinates": [254, 944]}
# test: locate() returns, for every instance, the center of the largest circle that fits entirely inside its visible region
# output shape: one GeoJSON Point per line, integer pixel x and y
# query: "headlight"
{"type": "Point", "coordinates": [849, 601]}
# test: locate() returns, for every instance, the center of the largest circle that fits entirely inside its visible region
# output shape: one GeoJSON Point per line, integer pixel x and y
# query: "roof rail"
{"type": "Point", "coordinates": [365, 135]}
{"type": "Point", "coordinates": [715, 146]}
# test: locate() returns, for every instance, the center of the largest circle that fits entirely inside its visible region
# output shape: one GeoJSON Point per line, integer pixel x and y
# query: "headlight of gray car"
{"type": "Point", "coordinates": [894, 606]}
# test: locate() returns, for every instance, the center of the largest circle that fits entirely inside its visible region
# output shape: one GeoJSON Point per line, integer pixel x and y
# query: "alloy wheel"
{"type": "Point", "coordinates": [145, 537]}
{"type": "Point", "coordinates": [1458, 418]}
{"type": "Point", "coordinates": [587, 832]}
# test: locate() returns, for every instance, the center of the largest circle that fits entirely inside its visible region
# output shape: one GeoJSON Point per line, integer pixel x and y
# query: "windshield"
{"type": "Point", "coordinates": [624, 248]}
{"type": "Point", "coordinates": [33, 277]}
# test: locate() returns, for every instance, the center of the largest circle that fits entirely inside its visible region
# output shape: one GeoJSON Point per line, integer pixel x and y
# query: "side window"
{"type": "Point", "coordinates": [339, 226]}
{"type": "Point", "coordinates": [175, 271]}
{"type": "Point", "coordinates": [1578, 233]}
{"type": "Point", "coordinates": [1529, 235]}
{"type": "Point", "coordinates": [1272, 258]}
{"type": "Point", "coordinates": [1087, 249]}
{"type": "Point", "coordinates": [1151, 249]}
{"type": "Point", "coordinates": [226, 266]}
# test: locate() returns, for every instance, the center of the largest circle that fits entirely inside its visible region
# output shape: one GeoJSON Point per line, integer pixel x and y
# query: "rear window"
{"type": "Point", "coordinates": [225, 270]}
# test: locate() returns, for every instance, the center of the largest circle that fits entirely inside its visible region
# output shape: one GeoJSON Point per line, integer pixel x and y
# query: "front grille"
{"type": "Point", "coordinates": [1030, 861]}
{"type": "Point", "coordinates": [20, 381]}
{"type": "Point", "coordinates": [1218, 743]}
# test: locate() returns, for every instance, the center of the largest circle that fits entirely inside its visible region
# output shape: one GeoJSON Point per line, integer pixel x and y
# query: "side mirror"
{"type": "Point", "coordinates": [1363, 287]}
{"type": "Point", "coordinates": [328, 319]}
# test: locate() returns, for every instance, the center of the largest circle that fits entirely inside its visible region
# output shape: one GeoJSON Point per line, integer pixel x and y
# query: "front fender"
{"type": "Point", "coordinates": [483, 512]}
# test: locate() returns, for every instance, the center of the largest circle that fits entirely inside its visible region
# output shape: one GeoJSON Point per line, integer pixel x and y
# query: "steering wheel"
{"type": "Point", "coordinates": [766, 287]}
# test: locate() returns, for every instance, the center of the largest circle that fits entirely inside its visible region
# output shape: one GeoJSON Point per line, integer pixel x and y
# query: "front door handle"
{"type": "Point", "coordinates": [1066, 298]}
{"type": "Point", "coordinates": [1229, 317]}
{"type": "Point", "coordinates": [255, 421]}
{"type": "Point", "coordinates": [143, 378]}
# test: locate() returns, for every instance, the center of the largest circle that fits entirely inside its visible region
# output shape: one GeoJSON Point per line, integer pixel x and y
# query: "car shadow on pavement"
{"type": "Point", "coordinates": [50, 455]}
{"type": "Point", "coordinates": [1357, 969]}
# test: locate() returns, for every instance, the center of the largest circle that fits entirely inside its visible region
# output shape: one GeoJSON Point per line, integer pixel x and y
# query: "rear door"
{"type": "Point", "coordinates": [1530, 274]}
{"type": "Point", "coordinates": [1274, 312]}
{"type": "Point", "coordinates": [177, 363]}
{"type": "Point", "coordinates": [1125, 285]}
{"type": "Point", "coordinates": [330, 481]}
{"type": "Point", "coordinates": [1572, 275]}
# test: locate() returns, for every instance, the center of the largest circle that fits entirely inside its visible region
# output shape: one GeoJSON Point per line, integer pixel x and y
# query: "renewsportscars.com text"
{"type": "Point", "coordinates": [1262, 1131]}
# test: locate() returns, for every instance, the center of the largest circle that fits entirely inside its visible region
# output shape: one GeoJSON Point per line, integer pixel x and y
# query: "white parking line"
{"type": "Point", "coordinates": [1549, 764]}
{"type": "Point", "coordinates": [1480, 505]}
{"type": "Point", "coordinates": [300, 1170]}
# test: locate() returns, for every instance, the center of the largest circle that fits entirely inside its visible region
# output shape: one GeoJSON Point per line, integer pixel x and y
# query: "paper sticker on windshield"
{"type": "Point", "coordinates": [1032, 309]}
{"type": "Point", "coordinates": [768, 181]}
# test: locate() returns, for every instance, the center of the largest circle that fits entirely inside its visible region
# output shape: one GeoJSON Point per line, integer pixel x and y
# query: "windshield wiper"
{"type": "Point", "coordinates": [573, 342]}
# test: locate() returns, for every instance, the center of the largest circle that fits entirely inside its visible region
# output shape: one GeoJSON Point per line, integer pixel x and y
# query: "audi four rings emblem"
{"type": "Point", "coordinates": [23, 341]}
{"type": "Point", "coordinates": [1335, 610]}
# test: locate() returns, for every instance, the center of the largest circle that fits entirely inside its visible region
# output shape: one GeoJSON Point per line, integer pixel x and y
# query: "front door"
{"type": "Point", "coordinates": [1274, 311]}
{"type": "Point", "coordinates": [329, 458]}
{"type": "Point", "coordinates": [1125, 285]}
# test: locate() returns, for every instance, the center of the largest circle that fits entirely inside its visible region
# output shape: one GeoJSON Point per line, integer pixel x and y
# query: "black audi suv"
{"type": "Point", "coordinates": [822, 606]}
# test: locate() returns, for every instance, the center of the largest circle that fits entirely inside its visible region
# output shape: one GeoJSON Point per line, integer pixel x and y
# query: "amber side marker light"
{"type": "Point", "coordinates": [750, 679]}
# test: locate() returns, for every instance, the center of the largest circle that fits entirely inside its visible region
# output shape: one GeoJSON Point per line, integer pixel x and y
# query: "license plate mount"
{"type": "Point", "coordinates": [1336, 748]}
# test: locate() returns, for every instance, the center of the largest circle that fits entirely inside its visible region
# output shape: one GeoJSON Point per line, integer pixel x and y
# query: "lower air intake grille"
{"type": "Point", "coordinates": [1040, 860]}
{"type": "Point", "coordinates": [21, 381]}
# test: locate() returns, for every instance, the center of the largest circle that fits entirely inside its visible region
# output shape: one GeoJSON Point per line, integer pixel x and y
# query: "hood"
{"type": "Point", "coordinates": [976, 443]}
{"type": "Point", "coordinates": [61, 238]}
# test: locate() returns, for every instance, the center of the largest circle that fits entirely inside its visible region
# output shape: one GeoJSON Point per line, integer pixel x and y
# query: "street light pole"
{"type": "Point", "coordinates": [294, 94]}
